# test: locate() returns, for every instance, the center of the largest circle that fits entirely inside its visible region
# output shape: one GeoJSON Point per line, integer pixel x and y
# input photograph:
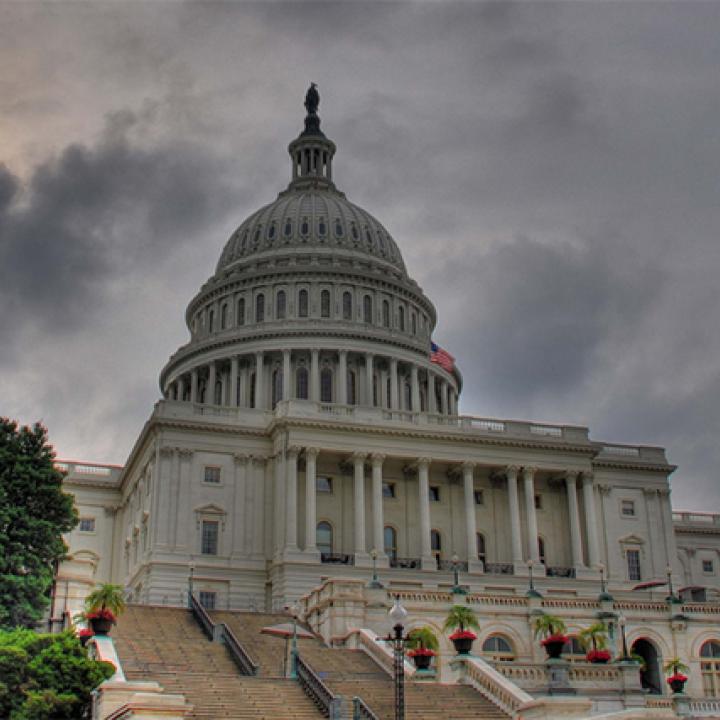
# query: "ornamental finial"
{"type": "Point", "coordinates": [312, 121]}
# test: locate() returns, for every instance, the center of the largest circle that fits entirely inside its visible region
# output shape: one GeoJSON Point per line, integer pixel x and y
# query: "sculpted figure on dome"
{"type": "Point", "coordinates": [312, 99]}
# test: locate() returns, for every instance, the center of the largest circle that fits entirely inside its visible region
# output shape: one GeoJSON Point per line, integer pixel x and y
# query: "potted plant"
{"type": "Point", "coordinates": [552, 629]}
{"type": "Point", "coordinates": [594, 640]}
{"type": "Point", "coordinates": [102, 606]}
{"type": "Point", "coordinates": [423, 647]}
{"type": "Point", "coordinates": [677, 678]}
{"type": "Point", "coordinates": [84, 635]}
{"type": "Point", "coordinates": [462, 618]}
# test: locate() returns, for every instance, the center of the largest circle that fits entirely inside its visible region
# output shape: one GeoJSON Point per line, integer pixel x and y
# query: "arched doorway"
{"type": "Point", "coordinates": [650, 675]}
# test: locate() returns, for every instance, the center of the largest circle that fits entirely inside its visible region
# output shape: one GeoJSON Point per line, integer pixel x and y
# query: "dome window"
{"type": "Point", "coordinates": [326, 383]}
{"type": "Point", "coordinates": [325, 304]}
{"type": "Point", "coordinates": [354, 231]}
{"type": "Point", "coordinates": [303, 303]}
{"type": "Point", "coordinates": [367, 309]}
{"type": "Point", "coordinates": [301, 383]}
{"type": "Point", "coordinates": [280, 305]}
{"type": "Point", "coordinates": [338, 228]}
{"type": "Point", "coordinates": [260, 308]}
{"type": "Point", "coordinates": [305, 227]}
{"type": "Point", "coordinates": [381, 240]}
{"type": "Point", "coordinates": [288, 228]}
{"type": "Point", "coordinates": [368, 237]}
{"type": "Point", "coordinates": [243, 242]}
{"type": "Point", "coordinates": [386, 313]}
{"type": "Point", "coordinates": [241, 311]}
{"type": "Point", "coordinates": [271, 231]}
{"type": "Point", "coordinates": [401, 318]}
{"type": "Point", "coordinates": [256, 239]}
{"type": "Point", "coordinates": [322, 227]}
{"type": "Point", "coordinates": [347, 306]}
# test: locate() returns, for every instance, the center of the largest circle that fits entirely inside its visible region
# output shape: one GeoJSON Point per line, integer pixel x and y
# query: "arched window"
{"type": "Point", "coordinates": [436, 545]}
{"type": "Point", "coordinates": [710, 667]}
{"type": "Point", "coordinates": [260, 308]}
{"type": "Point", "coordinates": [326, 385]}
{"type": "Point", "coordinates": [367, 309]}
{"type": "Point", "coordinates": [338, 228]}
{"type": "Point", "coordinates": [388, 393]}
{"type": "Point", "coordinates": [288, 228]}
{"type": "Point", "coordinates": [407, 394]}
{"type": "Point", "coordinates": [223, 316]}
{"type": "Point", "coordinates": [347, 306]}
{"type": "Point", "coordinates": [252, 390]}
{"type": "Point", "coordinates": [301, 383]}
{"type": "Point", "coordinates": [201, 391]}
{"type": "Point", "coordinates": [375, 391]}
{"type": "Point", "coordinates": [541, 550]}
{"type": "Point", "coordinates": [277, 387]}
{"type": "Point", "coordinates": [322, 227]}
{"type": "Point", "coordinates": [241, 311]}
{"type": "Point", "coordinates": [325, 304]}
{"type": "Point", "coordinates": [438, 397]}
{"type": "Point", "coordinates": [217, 396]}
{"type": "Point", "coordinates": [324, 538]}
{"type": "Point", "coordinates": [573, 649]}
{"type": "Point", "coordinates": [401, 318]}
{"type": "Point", "coordinates": [423, 399]}
{"type": "Point", "coordinates": [386, 313]}
{"type": "Point", "coordinates": [498, 648]}
{"type": "Point", "coordinates": [414, 324]}
{"type": "Point", "coordinates": [211, 321]}
{"type": "Point", "coordinates": [351, 388]}
{"type": "Point", "coordinates": [303, 303]}
{"type": "Point", "coordinates": [280, 305]}
{"type": "Point", "coordinates": [390, 542]}
{"type": "Point", "coordinates": [480, 544]}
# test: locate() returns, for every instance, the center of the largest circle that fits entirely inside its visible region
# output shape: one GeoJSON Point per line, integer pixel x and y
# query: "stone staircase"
{"type": "Point", "coordinates": [167, 645]}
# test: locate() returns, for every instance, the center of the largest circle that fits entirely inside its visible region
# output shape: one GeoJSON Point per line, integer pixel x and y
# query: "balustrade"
{"type": "Point", "coordinates": [337, 559]}
{"type": "Point", "coordinates": [560, 571]}
{"type": "Point", "coordinates": [499, 569]}
{"type": "Point", "coordinates": [405, 563]}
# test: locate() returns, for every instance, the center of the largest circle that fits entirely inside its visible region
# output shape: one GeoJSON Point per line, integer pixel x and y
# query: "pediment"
{"type": "Point", "coordinates": [632, 539]}
{"type": "Point", "coordinates": [210, 510]}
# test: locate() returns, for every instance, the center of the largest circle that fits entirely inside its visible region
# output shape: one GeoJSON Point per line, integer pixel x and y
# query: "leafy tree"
{"type": "Point", "coordinates": [595, 636]}
{"type": "Point", "coordinates": [45, 677]}
{"type": "Point", "coordinates": [34, 512]}
{"type": "Point", "coordinates": [548, 625]}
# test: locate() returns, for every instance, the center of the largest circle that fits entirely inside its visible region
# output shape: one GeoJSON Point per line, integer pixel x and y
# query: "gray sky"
{"type": "Point", "coordinates": [549, 170]}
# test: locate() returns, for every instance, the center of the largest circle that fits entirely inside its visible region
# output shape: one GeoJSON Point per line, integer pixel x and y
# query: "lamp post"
{"type": "Point", "coordinates": [625, 654]}
{"type": "Point", "coordinates": [671, 596]}
{"type": "Point", "coordinates": [398, 614]}
{"type": "Point", "coordinates": [457, 588]}
{"type": "Point", "coordinates": [375, 584]}
{"type": "Point", "coordinates": [295, 609]}
{"type": "Point", "coordinates": [604, 594]}
{"type": "Point", "coordinates": [532, 592]}
{"type": "Point", "coordinates": [190, 584]}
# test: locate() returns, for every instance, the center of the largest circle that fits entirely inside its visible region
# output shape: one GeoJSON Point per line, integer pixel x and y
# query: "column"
{"type": "Point", "coordinates": [393, 384]}
{"type": "Point", "coordinates": [590, 520]}
{"type": "Point", "coordinates": [342, 378]}
{"type": "Point", "coordinates": [574, 515]}
{"type": "Point", "coordinates": [258, 520]}
{"type": "Point", "coordinates": [286, 375]}
{"type": "Point", "coordinates": [415, 387]}
{"type": "Point", "coordinates": [194, 386]}
{"type": "Point", "coordinates": [315, 375]}
{"type": "Point", "coordinates": [243, 394]}
{"type": "Point", "coordinates": [514, 508]}
{"type": "Point", "coordinates": [377, 505]}
{"type": "Point", "coordinates": [532, 531]}
{"type": "Point", "coordinates": [427, 559]}
{"type": "Point", "coordinates": [310, 499]}
{"type": "Point", "coordinates": [382, 390]}
{"type": "Point", "coordinates": [369, 382]}
{"type": "Point", "coordinates": [359, 505]}
{"type": "Point", "coordinates": [468, 469]}
{"type": "Point", "coordinates": [259, 385]}
{"type": "Point", "coordinates": [291, 457]}
{"type": "Point", "coordinates": [210, 389]}
{"type": "Point", "coordinates": [234, 381]}
{"type": "Point", "coordinates": [278, 468]}
{"type": "Point", "coordinates": [443, 397]}
{"type": "Point", "coordinates": [180, 389]}
{"type": "Point", "coordinates": [163, 475]}
{"type": "Point", "coordinates": [432, 400]}
{"type": "Point", "coordinates": [223, 387]}
{"type": "Point", "coordinates": [239, 518]}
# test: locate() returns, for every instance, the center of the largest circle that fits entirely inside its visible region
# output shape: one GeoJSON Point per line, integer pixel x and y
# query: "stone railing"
{"type": "Point", "coordinates": [524, 675]}
{"type": "Point", "coordinates": [658, 702]}
{"type": "Point", "coordinates": [497, 688]}
{"type": "Point", "coordinates": [594, 675]}
{"type": "Point", "coordinates": [534, 677]}
{"type": "Point", "coordinates": [506, 600]}
{"type": "Point", "coordinates": [405, 563]}
{"type": "Point", "coordinates": [378, 650]}
{"type": "Point", "coordinates": [429, 596]}
{"type": "Point", "coordinates": [560, 571]}
{"type": "Point", "coordinates": [704, 707]}
{"type": "Point", "coordinates": [499, 569]}
{"type": "Point", "coordinates": [696, 518]}
{"type": "Point", "coordinates": [449, 565]}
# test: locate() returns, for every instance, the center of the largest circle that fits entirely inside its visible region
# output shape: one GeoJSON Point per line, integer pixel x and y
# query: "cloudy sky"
{"type": "Point", "coordinates": [550, 171]}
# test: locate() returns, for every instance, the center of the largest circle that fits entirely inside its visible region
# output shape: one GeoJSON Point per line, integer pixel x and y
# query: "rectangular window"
{"type": "Point", "coordinates": [633, 563]}
{"type": "Point", "coordinates": [538, 502]}
{"type": "Point", "coordinates": [323, 484]}
{"type": "Point", "coordinates": [434, 492]}
{"type": "Point", "coordinates": [208, 599]}
{"type": "Point", "coordinates": [627, 508]}
{"type": "Point", "coordinates": [209, 544]}
{"type": "Point", "coordinates": [479, 499]}
{"type": "Point", "coordinates": [212, 474]}
{"type": "Point", "coordinates": [388, 489]}
{"type": "Point", "coordinates": [708, 566]}
{"type": "Point", "coordinates": [87, 525]}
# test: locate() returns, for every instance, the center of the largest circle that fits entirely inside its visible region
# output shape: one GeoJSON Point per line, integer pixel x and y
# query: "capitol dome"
{"type": "Point", "coordinates": [311, 300]}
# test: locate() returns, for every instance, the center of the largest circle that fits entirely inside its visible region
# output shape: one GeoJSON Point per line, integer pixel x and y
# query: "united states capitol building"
{"type": "Point", "coordinates": [307, 433]}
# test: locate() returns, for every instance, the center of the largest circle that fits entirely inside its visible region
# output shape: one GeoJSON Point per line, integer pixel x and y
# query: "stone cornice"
{"type": "Point", "coordinates": [625, 464]}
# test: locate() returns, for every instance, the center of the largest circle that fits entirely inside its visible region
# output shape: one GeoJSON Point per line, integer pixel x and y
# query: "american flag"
{"type": "Point", "coordinates": [442, 357]}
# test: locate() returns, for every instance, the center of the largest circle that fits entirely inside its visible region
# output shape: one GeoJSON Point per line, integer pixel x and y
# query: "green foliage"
{"type": "Point", "coordinates": [461, 616]}
{"type": "Point", "coordinates": [594, 637]}
{"type": "Point", "coordinates": [34, 512]}
{"type": "Point", "coordinates": [46, 677]}
{"type": "Point", "coordinates": [546, 625]}
{"type": "Point", "coordinates": [675, 665]}
{"type": "Point", "coordinates": [106, 597]}
{"type": "Point", "coordinates": [423, 638]}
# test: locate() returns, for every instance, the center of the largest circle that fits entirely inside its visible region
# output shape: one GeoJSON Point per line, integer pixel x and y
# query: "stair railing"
{"type": "Point", "coordinates": [361, 711]}
{"type": "Point", "coordinates": [328, 704]}
{"type": "Point", "coordinates": [203, 619]}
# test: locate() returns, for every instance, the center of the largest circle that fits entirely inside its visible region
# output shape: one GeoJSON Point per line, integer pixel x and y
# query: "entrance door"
{"type": "Point", "coordinates": [650, 676]}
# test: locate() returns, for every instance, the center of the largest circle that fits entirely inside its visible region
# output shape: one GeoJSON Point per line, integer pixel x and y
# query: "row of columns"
{"type": "Point", "coordinates": [422, 465]}
{"type": "Point", "coordinates": [444, 401]}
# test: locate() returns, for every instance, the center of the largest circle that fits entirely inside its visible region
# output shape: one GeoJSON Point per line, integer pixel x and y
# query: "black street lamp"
{"type": "Point", "coordinates": [604, 594]}
{"type": "Point", "coordinates": [671, 596]}
{"type": "Point", "coordinates": [457, 588]}
{"type": "Point", "coordinates": [375, 584]}
{"type": "Point", "coordinates": [625, 654]}
{"type": "Point", "coordinates": [398, 615]}
{"type": "Point", "coordinates": [532, 592]}
{"type": "Point", "coordinates": [190, 584]}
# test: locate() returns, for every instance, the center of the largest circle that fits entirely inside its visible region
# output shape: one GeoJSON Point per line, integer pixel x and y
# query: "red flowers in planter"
{"type": "Point", "coordinates": [552, 639]}
{"type": "Point", "coordinates": [677, 677]}
{"type": "Point", "coordinates": [103, 614]}
{"type": "Point", "coordinates": [422, 652]}
{"type": "Point", "coordinates": [598, 656]}
{"type": "Point", "coordinates": [85, 633]}
{"type": "Point", "coordinates": [463, 635]}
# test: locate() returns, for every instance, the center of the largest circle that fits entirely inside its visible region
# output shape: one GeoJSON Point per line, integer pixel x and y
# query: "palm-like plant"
{"type": "Point", "coordinates": [594, 637]}
{"type": "Point", "coordinates": [422, 639]}
{"type": "Point", "coordinates": [461, 617]}
{"type": "Point", "coordinates": [106, 597]}
{"type": "Point", "coordinates": [548, 626]}
{"type": "Point", "coordinates": [675, 666]}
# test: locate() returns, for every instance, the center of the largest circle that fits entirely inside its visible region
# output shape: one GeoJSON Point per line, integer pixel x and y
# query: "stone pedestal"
{"type": "Point", "coordinates": [138, 700]}
{"type": "Point", "coordinates": [633, 693]}
{"type": "Point", "coordinates": [559, 677]}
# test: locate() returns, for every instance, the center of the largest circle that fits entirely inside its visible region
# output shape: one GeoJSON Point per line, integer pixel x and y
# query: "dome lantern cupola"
{"type": "Point", "coordinates": [311, 153]}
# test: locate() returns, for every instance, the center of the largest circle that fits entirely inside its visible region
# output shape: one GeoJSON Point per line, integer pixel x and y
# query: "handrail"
{"type": "Point", "coordinates": [316, 689]}
{"type": "Point", "coordinates": [200, 614]}
{"type": "Point", "coordinates": [361, 711]}
{"type": "Point", "coordinates": [240, 655]}
{"type": "Point", "coordinates": [378, 650]}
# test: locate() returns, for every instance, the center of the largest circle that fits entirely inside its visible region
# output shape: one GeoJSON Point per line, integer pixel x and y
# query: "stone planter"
{"type": "Point", "coordinates": [677, 685]}
{"type": "Point", "coordinates": [554, 645]}
{"type": "Point", "coordinates": [422, 660]}
{"type": "Point", "coordinates": [102, 624]}
{"type": "Point", "coordinates": [463, 641]}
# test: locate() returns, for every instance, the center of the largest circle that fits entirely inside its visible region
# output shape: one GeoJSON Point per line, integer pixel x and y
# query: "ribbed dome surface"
{"type": "Point", "coordinates": [317, 217]}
